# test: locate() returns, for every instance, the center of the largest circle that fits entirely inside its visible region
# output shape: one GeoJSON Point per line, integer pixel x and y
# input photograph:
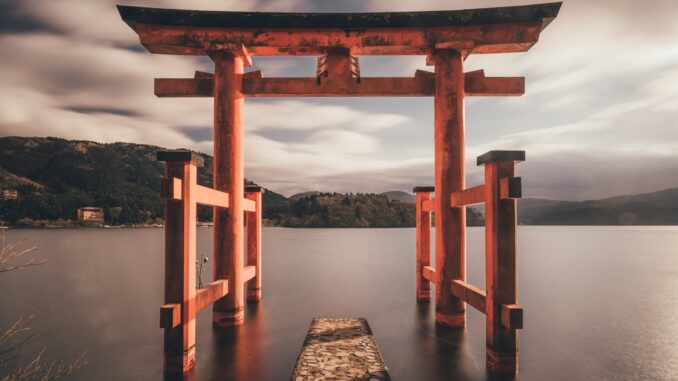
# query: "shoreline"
{"type": "Point", "coordinates": [74, 227]}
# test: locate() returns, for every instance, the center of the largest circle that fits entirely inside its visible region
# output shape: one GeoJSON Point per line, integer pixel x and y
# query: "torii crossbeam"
{"type": "Point", "coordinates": [446, 38]}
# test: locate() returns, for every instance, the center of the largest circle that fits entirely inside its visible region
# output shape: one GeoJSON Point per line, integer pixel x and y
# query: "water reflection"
{"type": "Point", "coordinates": [188, 376]}
{"type": "Point", "coordinates": [105, 287]}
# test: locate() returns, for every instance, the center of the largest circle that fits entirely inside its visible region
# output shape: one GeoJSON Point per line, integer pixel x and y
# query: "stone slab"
{"type": "Point", "coordinates": [340, 349]}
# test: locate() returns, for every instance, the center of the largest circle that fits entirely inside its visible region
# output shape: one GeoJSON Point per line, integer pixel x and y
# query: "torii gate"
{"type": "Point", "coordinates": [446, 38]}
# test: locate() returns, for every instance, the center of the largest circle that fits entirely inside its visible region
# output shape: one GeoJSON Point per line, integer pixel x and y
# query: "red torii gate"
{"type": "Point", "coordinates": [446, 38]}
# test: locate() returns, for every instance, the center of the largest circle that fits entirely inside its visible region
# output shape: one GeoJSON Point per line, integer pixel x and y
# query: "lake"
{"type": "Point", "coordinates": [601, 303]}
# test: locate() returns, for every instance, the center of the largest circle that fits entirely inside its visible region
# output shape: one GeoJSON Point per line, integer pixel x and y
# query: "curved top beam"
{"type": "Point", "coordinates": [214, 19]}
{"type": "Point", "coordinates": [487, 30]}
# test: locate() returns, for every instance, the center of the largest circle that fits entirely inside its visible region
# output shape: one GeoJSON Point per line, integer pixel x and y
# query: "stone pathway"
{"type": "Point", "coordinates": [340, 349]}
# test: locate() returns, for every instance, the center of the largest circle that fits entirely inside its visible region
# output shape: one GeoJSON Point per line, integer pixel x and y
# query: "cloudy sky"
{"type": "Point", "coordinates": [598, 118]}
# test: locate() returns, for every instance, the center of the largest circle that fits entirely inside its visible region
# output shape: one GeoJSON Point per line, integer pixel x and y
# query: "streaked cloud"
{"type": "Point", "coordinates": [598, 117]}
{"type": "Point", "coordinates": [300, 115]}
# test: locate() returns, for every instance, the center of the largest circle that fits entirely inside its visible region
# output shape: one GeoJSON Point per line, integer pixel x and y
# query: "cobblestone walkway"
{"type": "Point", "coordinates": [340, 349]}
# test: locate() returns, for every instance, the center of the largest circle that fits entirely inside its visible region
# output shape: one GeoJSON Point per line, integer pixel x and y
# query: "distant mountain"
{"type": "Point", "coordinates": [655, 208]}
{"type": "Point", "coordinates": [400, 196]}
{"type": "Point", "coordinates": [301, 195]}
{"type": "Point", "coordinates": [55, 177]}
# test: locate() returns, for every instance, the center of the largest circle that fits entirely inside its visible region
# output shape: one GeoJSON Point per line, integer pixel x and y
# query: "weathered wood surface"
{"type": "Point", "coordinates": [490, 30]}
{"type": "Point", "coordinates": [253, 223]}
{"type": "Point", "coordinates": [170, 315]}
{"type": "Point", "coordinates": [512, 316]}
{"type": "Point", "coordinates": [209, 294]}
{"type": "Point", "coordinates": [450, 241]}
{"type": "Point", "coordinates": [483, 16]}
{"type": "Point", "coordinates": [501, 263]}
{"type": "Point", "coordinates": [254, 85]}
{"type": "Point", "coordinates": [229, 166]}
{"type": "Point", "coordinates": [180, 277]}
{"type": "Point", "coordinates": [423, 218]}
{"type": "Point", "coordinates": [429, 273]}
{"type": "Point", "coordinates": [510, 187]}
{"type": "Point", "coordinates": [340, 349]}
{"type": "Point", "coordinates": [470, 294]}
{"type": "Point", "coordinates": [468, 196]}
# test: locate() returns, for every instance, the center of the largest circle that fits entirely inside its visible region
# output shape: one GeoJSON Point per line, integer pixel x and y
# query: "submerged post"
{"type": "Point", "coordinates": [229, 177]}
{"type": "Point", "coordinates": [423, 219]}
{"type": "Point", "coordinates": [180, 239]}
{"type": "Point", "coordinates": [503, 316]}
{"type": "Point", "coordinates": [253, 221]}
{"type": "Point", "coordinates": [449, 177]}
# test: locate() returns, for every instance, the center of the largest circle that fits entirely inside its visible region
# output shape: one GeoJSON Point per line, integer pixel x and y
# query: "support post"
{"type": "Point", "coordinates": [253, 221]}
{"type": "Point", "coordinates": [339, 62]}
{"type": "Point", "coordinates": [449, 178]}
{"type": "Point", "coordinates": [500, 260]}
{"type": "Point", "coordinates": [423, 219]}
{"type": "Point", "coordinates": [229, 178]}
{"type": "Point", "coordinates": [180, 240]}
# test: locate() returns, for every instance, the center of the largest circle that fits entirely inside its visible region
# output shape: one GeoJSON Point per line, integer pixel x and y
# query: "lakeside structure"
{"type": "Point", "coordinates": [10, 194]}
{"type": "Point", "coordinates": [446, 38]}
{"type": "Point", "coordinates": [91, 214]}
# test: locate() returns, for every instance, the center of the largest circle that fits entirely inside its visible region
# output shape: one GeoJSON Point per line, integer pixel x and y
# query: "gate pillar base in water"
{"type": "Point", "coordinates": [228, 318]}
{"type": "Point", "coordinates": [457, 320]}
{"type": "Point", "coordinates": [503, 363]}
{"type": "Point", "coordinates": [179, 363]}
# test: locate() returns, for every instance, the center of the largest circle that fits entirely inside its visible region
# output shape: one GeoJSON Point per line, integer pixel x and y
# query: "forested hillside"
{"type": "Point", "coordinates": [55, 177]}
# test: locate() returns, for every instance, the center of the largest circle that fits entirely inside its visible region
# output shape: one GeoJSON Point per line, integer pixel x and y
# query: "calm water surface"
{"type": "Point", "coordinates": [601, 303]}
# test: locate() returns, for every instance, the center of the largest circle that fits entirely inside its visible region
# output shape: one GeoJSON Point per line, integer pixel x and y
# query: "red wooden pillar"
{"type": "Point", "coordinates": [253, 192]}
{"type": "Point", "coordinates": [449, 177]}
{"type": "Point", "coordinates": [180, 276]}
{"type": "Point", "coordinates": [229, 178]}
{"type": "Point", "coordinates": [423, 219]}
{"type": "Point", "coordinates": [501, 189]}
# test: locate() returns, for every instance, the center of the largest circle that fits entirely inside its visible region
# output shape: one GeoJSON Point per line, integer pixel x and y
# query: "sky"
{"type": "Point", "coordinates": [598, 117]}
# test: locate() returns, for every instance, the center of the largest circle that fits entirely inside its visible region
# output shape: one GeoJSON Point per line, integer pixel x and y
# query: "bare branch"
{"type": "Point", "coordinates": [11, 255]}
{"type": "Point", "coordinates": [38, 369]}
{"type": "Point", "coordinates": [22, 266]}
{"type": "Point", "coordinates": [14, 338]}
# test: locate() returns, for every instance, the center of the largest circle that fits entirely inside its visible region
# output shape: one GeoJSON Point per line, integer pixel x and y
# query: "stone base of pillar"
{"type": "Point", "coordinates": [180, 362]}
{"type": "Point", "coordinates": [222, 319]}
{"type": "Point", "coordinates": [455, 320]}
{"type": "Point", "coordinates": [253, 294]}
{"type": "Point", "coordinates": [502, 363]}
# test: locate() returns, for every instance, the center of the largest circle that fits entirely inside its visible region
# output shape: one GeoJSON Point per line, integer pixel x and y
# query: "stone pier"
{"type": "Point", "coordinates": [340, 349]}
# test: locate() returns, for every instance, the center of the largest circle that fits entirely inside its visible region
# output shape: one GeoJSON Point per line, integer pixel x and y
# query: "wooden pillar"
{"type": "Point", "coordinates": [449, 177]}
{"type": "Point", "coordinates": [423, 219]}
{"type": "Point", "coordinates": [180, 248]}
{"type": "Point", "coordinates": [253, 220]}
{"type": "Point", "coordinates": [500, 259]}
{"type": "Point", "coordinates": [229, 178]}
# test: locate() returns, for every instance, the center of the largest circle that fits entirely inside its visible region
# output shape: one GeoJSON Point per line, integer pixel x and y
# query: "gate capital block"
{"type": "Point", "coordinates": [423, 189]}
{"type": "Point", "coordinates": [253, 188]}
{"type": "Point", "coordinates": [181, 156]}
{"type": "Point", "coordinates": [500, 155]}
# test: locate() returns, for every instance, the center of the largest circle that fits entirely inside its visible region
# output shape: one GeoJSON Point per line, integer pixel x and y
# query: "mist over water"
{"type": "Point", "coordinates": [601, 303]}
